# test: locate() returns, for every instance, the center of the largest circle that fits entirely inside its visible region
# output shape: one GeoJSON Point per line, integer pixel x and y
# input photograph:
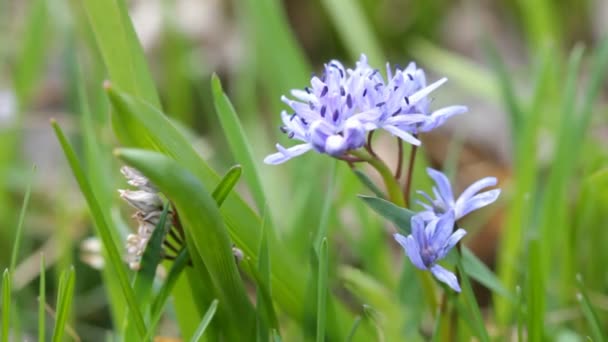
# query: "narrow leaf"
{"type": "Point", "coordinates": [237, 140]}
{"type": "Point", "coordinates": [468, 296]}
{"type": "Point", "coordinates": [589, 312]}
{"type": "Point", "coordinates": [368, 183]}
{"type": "Point", "coordinates": [103, 230]}
{"type": "Point", "coordinates": [477, 270]}
{"type": "Point", "coordinates": [64, 303]}
{"type": "Point", "coordinates": [19, 230]}
{"type": "Point", "coordinates": [322, 291]}
{"type": "Point", "coordinates": [6, 305]}
{"type": "Point", "coordinates": [401, 217]}
{"type": "Point", "coordinates": [198, 335]}
{"type": "Point", "coordinates": [42, 302]}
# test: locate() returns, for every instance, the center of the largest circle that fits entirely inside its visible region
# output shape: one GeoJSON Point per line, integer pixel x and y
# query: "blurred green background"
{"type": "Point", "coordinates": [507, 60]}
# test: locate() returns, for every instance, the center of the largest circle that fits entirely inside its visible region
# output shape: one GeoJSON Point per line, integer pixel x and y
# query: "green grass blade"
{"type": "Point", "coordinates": [535, 293]}
{"type": "Point", "coordinates": [354, 29]}
{"type": "Point", "coordinates": [353, 329]}
{"type": "Point", "coordinates": [264, 269]}
{"type": "Point", "coordinates": [204, 226]}
{"type": "Point", "coordinates": [322, 290]}
{"type": "Point", "coordinates": [243, 224]}
{"type": "Point", "coordinates": [227, 184]}
{"type": "Point", "coordinates": [19, 230]}
{"type": "Point", "coordinates": [589, 312]}
{"type": "Point", "coordinates": [103, 231]}
{"type": "Point", "coordinates": [32, 56]}
{"type": "Point", "coordinates": [327, 206]}
{"type": "Point", "coordinates": [122, 54]}
{"type": "Point", "coordinates": [198, 335]}
{"type": "Point", "coordinates": [42, 302]}
{"type": "Point", "coordinates": [6, 305]}
{"type": "Point", "coordinates": [477, 270]}
{"type": "Point", "coordinates": [468, 296]}
{"type": "Point", "coordinates": [238, 142]}
{"type": "Point", "coordinates": [64, 303]}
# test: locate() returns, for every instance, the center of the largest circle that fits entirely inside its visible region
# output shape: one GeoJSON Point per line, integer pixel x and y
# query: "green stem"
{"type": "Point", "coordinates": [392, 186]}
{"type": "Point", "coordinates": [396, 196]}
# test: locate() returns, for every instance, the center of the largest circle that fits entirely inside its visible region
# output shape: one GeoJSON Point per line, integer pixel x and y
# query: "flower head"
{"type": "Point", "coordinates": [430, 242]}
{"type": "Point", "coordinates": [149, 210]}
{"type": "Point", "coordinates": [468, 201]}
{"type": "Point", "coordinates": [334, 114]}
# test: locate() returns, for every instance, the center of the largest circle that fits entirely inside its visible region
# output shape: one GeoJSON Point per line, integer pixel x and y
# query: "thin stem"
{"type": "Point", "coordinates": [392, 186]}
{"type": "Point", "coordinates": [399, 159]}
{"type": "Point", "coordinates": [368, 146]}
{"type": "Point", "coordinates": [410, 174]}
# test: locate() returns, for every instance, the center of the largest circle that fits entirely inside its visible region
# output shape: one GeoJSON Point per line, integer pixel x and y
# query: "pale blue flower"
{"type": "Point", "coordinates": [335, 114]}
{"type": "Point", "coordinates": [430, 242]}
{"type": "Point", "coordinates": [468, 201]}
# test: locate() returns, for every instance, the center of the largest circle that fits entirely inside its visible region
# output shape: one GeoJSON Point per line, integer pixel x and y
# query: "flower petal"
{"type": "Point", "coordinates": [411, 250]}
{"type": "Point", "coordinates": [405, 136]}
{"type": "Point", "coordinates": [478, 201]}
{"type": "Point", "coordinates": [443, 229]}
{"type": "Point", "coordinates": [422, 93]}
{"type": "Point", "coordinates": [285, 154]}
{"type": "Point", "coordinates": [445, 277]}
{"type": "Point", "coordinates": [439, 117]}
{"type": "Point", "coordinates": [450, 243]}
{"type": "Point", "coordinates": [443, 186]}
{"type": "Point", "coordinates": [476, 187]}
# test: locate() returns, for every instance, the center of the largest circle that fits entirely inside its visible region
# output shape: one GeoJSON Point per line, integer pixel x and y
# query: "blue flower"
{"type": "Point", "coordinates": [331, 116]}
{"type": "Point", "coordinates": [430, 242]}
{"type": "Point", "coordinates": [444, 201]}
{"type": "Point", "coordinates": [334, 114]}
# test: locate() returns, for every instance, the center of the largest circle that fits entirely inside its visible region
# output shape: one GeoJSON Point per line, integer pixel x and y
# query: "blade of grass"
{"type": "Point", "coordinates": [353, 329]}
{"type": "Point", "coordinates": [354, 29]}
{"type": "Point", "coordinates": [238, 142]}
{"type": "Point", "coordinates": [401, 217]}
{"type": "Point", "coordinates": [243, 224]}
{"type": "Point", "coordinates": [327, 206]}
{"type": "Point", "coordinates": [6, 305]}
{"type": "Point", "coordinates": [64, 303]}
{"type": "Point", "coordinates": [204, 227]}
{"type": "Point", "coordinates": [368, 183]}
{"type": "Point", "coordinates": [19, 230]}
{"type": "Point", "coordinates": [468, 296]}
{"type": "Point", "coordinates": [588, 312]}
{"type": "Point", "coordinates": [198, 335]}
{"type": "Point", "coordinates": [322, 290]}
{"type": "Point", "coordinates": [262, 324]}
{"type": "Point", "coordinates": [103, 231]}
{"type": "Point", "coordinates": [42, 302]}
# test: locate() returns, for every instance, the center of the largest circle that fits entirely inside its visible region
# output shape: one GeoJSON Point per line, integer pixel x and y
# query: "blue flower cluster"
{"type": "Point", "coordinates": [433, 234]}
{"type": "Point", "coordinates": [338, 110]}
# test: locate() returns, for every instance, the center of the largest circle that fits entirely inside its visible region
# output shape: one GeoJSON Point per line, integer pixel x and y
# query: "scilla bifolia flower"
{"type": "Point", "coordinates": [335, 114]}
{"type": "Point", "coordinates": [468, 201]}
{"type": "Point", "coordinates": [430, 242]}
{"type": "Point", "coordinates": [149, 210]}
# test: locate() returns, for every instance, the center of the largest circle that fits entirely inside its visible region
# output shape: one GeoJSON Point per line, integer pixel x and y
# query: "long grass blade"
{"type": "Point", "coordinates": [322, 290]}
{"type": "Point", "coordinates": [19, 230]}
{"type": "Point", "coordinates": [198, 335]}
{"type": "Point", "coordinates": [238, 142]}
{"type": "Point", "coordinates": [114, 258]}
{"type": "Point", "coordinates": [42, 301]}
{"type": "Point", "coordinates": [589, 312]}
{"type": "Point", "coordinates": [64, 303]}
{"type": "Point", "coordinates": [6, 305]}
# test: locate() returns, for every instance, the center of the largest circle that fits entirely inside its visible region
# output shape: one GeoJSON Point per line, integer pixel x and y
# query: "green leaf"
{"type": "Point", "coordinates": [64, 303]}
{"type": "Point", "coordinates": [401, 217]}
{"type": "Point", "coordinates": [198, 335]}
{"type": "Point", "coordinates": [6, 305]}
{"type": "Point", "coordinates": [32, 55]}
{"type": "Point", "coordinates": [238, 142]}
{"type": "Point", "coordinates": [468, 296]}
{"type": "Point", "coordinates": [243, 224]}
{"type": "Point", "coordinates": [19, 230]}
{"type": "Point", "coordinates": [353, 329]}
{"type": "Point", "coordinates": [356, 32]}
{"type": "Point", "coordinates": [103, 230]}
{"type": "Point", "coordinates": [202, 221]}
{"type": "Point", "coordinates": [368, 183]}
{"type": "Point", "coordinates": [264, 307]}
{"type": "Point", "coordinates": [589, 312]}
{"type": "Point", "coordinates": [322, 289]}
{"type": "Point", "coordinates": [477, 270]}
{"type": "Point", "coordinates": [42, 302]}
